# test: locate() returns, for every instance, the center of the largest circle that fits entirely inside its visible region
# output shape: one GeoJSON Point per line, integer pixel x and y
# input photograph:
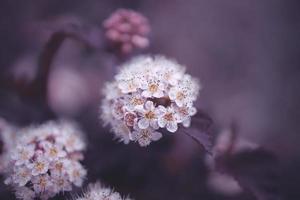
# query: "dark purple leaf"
{"type": "Point", "coordinates": [255, 170]}
{"type": "Point", "coordinates": [200, 130]}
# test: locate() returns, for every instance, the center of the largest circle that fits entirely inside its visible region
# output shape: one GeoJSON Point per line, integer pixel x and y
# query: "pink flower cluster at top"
{"type": "Point", "coordinates": [126, 29]}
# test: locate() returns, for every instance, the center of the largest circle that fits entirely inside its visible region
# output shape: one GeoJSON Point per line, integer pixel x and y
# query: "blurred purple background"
{"type": "Point", "coordinates": [246, 54]}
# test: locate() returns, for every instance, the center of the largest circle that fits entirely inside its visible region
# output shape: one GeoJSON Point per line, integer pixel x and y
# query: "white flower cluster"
{"type": "Point", "coordinates": [7, 138]}
{"type": "Point", "coordinates": [149, 94]}
{"type": "Point", "coordinates": [98, 192]}
{"type": "Point", "coordinates": [46, 161]}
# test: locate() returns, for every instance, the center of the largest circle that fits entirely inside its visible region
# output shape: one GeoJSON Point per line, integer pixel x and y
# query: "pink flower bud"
{"type": "Point", "coordinates": [126, 29]}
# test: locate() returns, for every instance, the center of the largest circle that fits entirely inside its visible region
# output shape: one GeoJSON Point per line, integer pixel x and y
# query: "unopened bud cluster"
{"type": "Point", "coordinates": [126, 30]}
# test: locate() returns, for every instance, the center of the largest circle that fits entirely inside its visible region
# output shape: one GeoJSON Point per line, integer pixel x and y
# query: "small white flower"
{"type": "Point", "coordinates": [153, 88]}
{"type": "Point", "coordinates": [112, 91]}
{"type": "Point", "coordinates": [23, 154]}
{"type": "Point", "coordinates": [71, 142]}
{"type": "Point", "coordinates": [70, 137]}
{"type": "Point", "coordinates": [145, 136]}
{"type": "Point", "coordinates": [40, 165]}
{"type": "Point", "coordinates": [53, 151]}
{"type": "Point", "coordinates": [130, 118]}
{"type": "Point", "coordinates": [76, 173]}
{"type": "Point", "coordinates": [149, 116]}
{"type": "Point", "coordinates": [130, 85]}
{"type": "Point", "coordinates": [41, 183]}
{"type": "Point", "coordinates": [118, 109]}
{"type": "Point", "coordinates": [22, 175]}
{"type": "Point", "coordinates": [178, 95]}
{"type": "Point", "coordinates": [61, 183]}
{"type": "Point", "coordinates": [59, 167]}
{"type": "Point", "coordinates": [25, 193]}
{"type": "Point", "coordinates": [134, 102]}
{"type": "Point", "coordinates": [121, 131]}
{"type": "Point", "coordinates": [167, 119]}
{"type": "Point", "coordinates": [183, 114]}
{"type": "Point", "coordinates": [186, 92]}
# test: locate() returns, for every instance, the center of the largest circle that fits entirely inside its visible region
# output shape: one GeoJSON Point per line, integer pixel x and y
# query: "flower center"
{"type": "Point", "coordinates": [168, 117]}
{"type": "Point", "coordinates": [24, 155]}
{"type": "Point", "coordinates": [131, 85]}
{"type": "Point", "coordinates": [39, 166]}
{"type": "Point", "coordinates": [76, 173]}
{"type": "Point", "coordinates": [53, 152]}
{"type": "Point", "coordinates": [70, 141]}
{"type": "Point", "coordinates": [168, 75]}
{"type": "Point", "coordinates": [183, 111]}
{"type": "Point", "coordinates": [118, 108]}
{"type": "Point", "coordinates": [43, 182]}
{"type": "Point", "coordinates": [153, 88]}
{"type": "Point", "coordinates": [24, 174]}
{"type": "Point", "coordinates": [145, 134]}
{"type": "Point", "coordinates": [150, 115]}
{"type": "Point", "coordinates": [129, 119]}
{"type": "Point", "coordinates": [137, 101]}
{"type": "Point", "coordinates": [61, 182]}
{"type": "Point", "coordinates": [180, 96]}
{"type": "Point", "coordinates": [59, 166]}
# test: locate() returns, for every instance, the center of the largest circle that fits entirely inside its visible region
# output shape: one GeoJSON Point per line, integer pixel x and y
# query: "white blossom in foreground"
{"type": "Point", "coordinates": [98, 192]}
{"type": "Point", "coordinates": [149, 94]}
{"type": "Point", "coordinates": [45, 160]}
{"type": "Point", "coordinates": [7, 139]}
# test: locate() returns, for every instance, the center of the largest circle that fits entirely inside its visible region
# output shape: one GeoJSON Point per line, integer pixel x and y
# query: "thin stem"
{"type": "Point", "coordinates": [45, 61]}
{"type": "Point", "coordinates": [38, 90]}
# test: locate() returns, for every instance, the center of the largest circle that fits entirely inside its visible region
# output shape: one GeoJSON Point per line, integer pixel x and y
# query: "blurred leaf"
{"type": "Point", "coordinates": [200, 130]}
{"type": "Point", "coordinates": [255, 170]}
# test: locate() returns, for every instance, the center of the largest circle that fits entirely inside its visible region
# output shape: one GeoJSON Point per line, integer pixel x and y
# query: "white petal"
{"type": "Point", "coordinates": [172, 93]}
{"type": "Point", "coordinates": [187, 122]}
{"type": "Point", "coordinates": [178, 117]}
{"type": "Point", "coordinates": [62, 153]}
{"type": "Point", "coordinates": [134, 135]}
{"type": "Point", "coordinates": [158, 94]}
{"type": "Point", "coordinates": [123, 85]}
{"type": "Point", "coordinates": [129, 107]}
{"type": "Point", "coordinates": [156, 136]}
{"type": "Point", "coordinates": [138, 107]}
{"type": "Point", "coordinates": [161, 86]}
{"type": "Point", "coordinates": [192, 111]}
{"type": "Point", "coordinates": [179, 103]}
{"type": "Point", "coordinates": [144, 85]}
{"type": "Point", "coordinates": [173, 81]}
{"type": "Point", "coordinates": [144, 141]}
{"type": "Point", "coordinates": [149, 105]}
{"type": "Point", "coordinates": [135, 124]}
{"type": "Point", "coordinates": [146, 93]}
{"type": "Point", "coordinates": [161, 122]}
{"type": "Point", "coordinates": [143, 123]}
{"type": "Point", "coordinates": [154, 124]}
{"type": "Point", "coordinates": [161, 110]}
{"type": "Point", "coordinates": [172, 127]}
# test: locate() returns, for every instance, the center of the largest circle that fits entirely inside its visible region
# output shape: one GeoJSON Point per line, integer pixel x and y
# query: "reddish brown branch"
{"type": "Point", "coordinates": [37, 91]}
